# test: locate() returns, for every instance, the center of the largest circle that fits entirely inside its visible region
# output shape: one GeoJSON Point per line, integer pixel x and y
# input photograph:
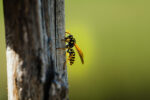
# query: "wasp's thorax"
{"type": "Point", "coordinates": [71, 41]}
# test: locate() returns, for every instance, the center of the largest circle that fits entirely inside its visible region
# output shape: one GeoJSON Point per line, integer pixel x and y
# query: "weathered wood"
{"type": "Point", "coordinates": [34, 29]}
{"type": "Point", "coordinates": [61, 86]}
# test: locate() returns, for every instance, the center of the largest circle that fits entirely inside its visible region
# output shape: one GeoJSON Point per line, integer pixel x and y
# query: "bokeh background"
{"type": "Point", "coordinates": [115, 38]}
{"type": "Point", "coordinates": [3, 77]}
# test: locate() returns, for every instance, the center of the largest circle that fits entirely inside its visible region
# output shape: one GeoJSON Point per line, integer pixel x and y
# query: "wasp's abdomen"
{"type": "Point", "coordinates": [71, 56]}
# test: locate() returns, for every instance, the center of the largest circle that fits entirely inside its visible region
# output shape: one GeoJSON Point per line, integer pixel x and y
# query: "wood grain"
{"type": "Point", "coordinates": [34, 29]}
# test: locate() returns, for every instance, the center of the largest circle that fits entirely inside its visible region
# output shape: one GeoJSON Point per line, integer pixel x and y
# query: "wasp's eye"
{"type": "Point", "coordinates": [70, 36]}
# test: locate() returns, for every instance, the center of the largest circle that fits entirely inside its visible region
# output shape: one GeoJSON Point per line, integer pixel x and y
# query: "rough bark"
{"type": "Point", "coordinates": [34, 29]}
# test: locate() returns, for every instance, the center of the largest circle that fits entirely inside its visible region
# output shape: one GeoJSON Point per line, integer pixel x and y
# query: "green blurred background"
{"type": "Point", "coordinates": [115, 38]}
{"type": "Point", "coordinates": [3, 77]}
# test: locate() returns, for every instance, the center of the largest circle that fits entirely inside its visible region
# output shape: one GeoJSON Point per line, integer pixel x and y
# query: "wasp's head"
{"type": "Point", "coordinates": [68, 38]}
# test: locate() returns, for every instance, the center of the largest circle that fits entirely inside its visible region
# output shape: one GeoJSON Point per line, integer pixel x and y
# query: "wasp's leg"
{"type": "Point", "coordinates": [62, 39]}
{"type": "Point", "coordinates": [62, 48]}
{"type": "Point", "coordinates": [66, 39]}
{"type": "Point", "coordinates": [64, 66]}
{"type": "Point", "coordinates": [67, 46]}
{"type": "Point", "coordinates": [65, 63]}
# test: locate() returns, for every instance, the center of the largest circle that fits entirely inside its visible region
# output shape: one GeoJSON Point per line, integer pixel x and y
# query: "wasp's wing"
{"type": "Point", "coordinates": [80, 53]}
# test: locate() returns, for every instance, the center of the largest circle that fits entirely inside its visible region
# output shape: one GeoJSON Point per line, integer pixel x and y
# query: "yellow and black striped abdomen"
{"type": "Point", "coordinates": [71, 56]}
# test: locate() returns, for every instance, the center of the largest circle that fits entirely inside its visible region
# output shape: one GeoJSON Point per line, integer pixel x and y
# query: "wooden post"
{"type": "Point", "coordinates": [34, 29]}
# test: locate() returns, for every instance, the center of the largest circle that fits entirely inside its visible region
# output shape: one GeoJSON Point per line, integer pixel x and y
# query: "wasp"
{"type": "Point", "coordinates": [71, 42]}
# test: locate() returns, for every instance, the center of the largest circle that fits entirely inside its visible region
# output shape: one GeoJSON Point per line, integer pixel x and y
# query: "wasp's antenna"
{"type": "Point", "coordinates": [67, 32]}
